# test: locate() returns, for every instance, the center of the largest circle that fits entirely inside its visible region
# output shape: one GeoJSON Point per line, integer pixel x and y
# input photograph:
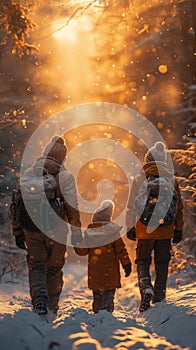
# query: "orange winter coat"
{"type": "Point", "coordinates": [105, 249]}
{"type": "Point", "coordinates": [161, 232]}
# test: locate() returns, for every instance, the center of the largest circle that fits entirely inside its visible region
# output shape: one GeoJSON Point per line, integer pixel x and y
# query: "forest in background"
{"type": "Point", "coordinates": [141, 55]}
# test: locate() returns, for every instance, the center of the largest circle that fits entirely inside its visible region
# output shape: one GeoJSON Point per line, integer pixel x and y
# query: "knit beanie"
{"type": "Point", "coordinates": [157, 153]}
{"type": "Point", "coordinates": [56, 148]}
{"type": "Point", "coordinates": [104, 212]}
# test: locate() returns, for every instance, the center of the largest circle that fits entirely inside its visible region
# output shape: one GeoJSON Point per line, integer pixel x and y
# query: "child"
{"type": "Point", "coordinates": [105, 248]}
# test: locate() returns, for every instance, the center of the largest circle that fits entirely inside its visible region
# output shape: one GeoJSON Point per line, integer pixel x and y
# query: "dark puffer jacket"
{"type": "Point", "coordinates": [161, 232]}
{"type": "Point", "coordinates": [66, 188]}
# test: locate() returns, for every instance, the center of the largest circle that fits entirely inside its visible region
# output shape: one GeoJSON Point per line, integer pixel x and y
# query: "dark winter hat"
{"type": "Point", "coordinates": [104, 212]}
{"type": "Point", "coordinates": [56, 149]}
{"type": "Point", "coordinates": [157, 153]}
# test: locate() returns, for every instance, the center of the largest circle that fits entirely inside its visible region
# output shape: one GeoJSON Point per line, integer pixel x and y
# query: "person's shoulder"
{"type": "Point", "coordinates": [139, 176]}
{"type": "Point", "coordinates": [66, 174]}
{"type": "Point", "coordinates": [113, 228]}
{"type": "Point", "coordinates": [95, 225]}
{"type": "Point", "coordinates": [138, 180]}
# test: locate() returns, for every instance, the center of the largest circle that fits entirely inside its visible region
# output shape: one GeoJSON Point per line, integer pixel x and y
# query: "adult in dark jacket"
{"type": "Point", "coordinates": [45, 256]}
{"type": "Point", "coordinates": [159, 239]}
{"type": "Point", "coordinates": [105, 249]}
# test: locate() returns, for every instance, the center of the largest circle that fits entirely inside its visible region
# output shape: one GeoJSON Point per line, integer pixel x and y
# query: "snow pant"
{"type": "Point", "coordinates": [162, 256]}
{"type": "Point", "coordinates": [45, 259]}
{"type": "Point", "coordinates": [103, 300]}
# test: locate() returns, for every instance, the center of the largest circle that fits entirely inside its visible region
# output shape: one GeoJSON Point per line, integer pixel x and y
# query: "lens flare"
{"type": "Point", "coordinates": [104, 167]}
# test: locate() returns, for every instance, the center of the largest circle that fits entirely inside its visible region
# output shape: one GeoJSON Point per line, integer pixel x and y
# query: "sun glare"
{"type": "Point", "coordinates": [71, 31]}
{"type": "Point", "coordinates": [83, 2]}
{"type": "Point", "coordinates": [74, 46]}
{"type": "Point", "coordinates": [62, 31]}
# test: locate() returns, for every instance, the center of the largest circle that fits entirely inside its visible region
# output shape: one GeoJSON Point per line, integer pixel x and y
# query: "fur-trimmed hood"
{"type": "Point", "coordinates": [156, 169]}
{"type": "Point", "coordinates": [49, 164]}
{"type": "Point", "coordinates": [101, 233]}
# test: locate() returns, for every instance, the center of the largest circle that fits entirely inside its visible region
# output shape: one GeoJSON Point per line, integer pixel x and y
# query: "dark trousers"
{"type": "Point", "coordinates": [162, 256]}
{"type": "Point", "coordinates": [45, 259]}
{"type": "Point", "coordinates": [103, 300]}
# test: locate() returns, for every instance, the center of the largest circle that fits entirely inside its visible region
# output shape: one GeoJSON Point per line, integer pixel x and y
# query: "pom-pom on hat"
{"type": "Point", "coordinates": [157, 153]}
{"type": "Point", "coordinates": [104, 212]}
{"type": "Point", "coordinates": [56, 148]}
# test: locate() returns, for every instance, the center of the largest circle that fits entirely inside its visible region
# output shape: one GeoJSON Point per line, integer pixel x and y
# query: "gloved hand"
{"type": "Point", "coordinates": [127, 268]}
{"type": "Point", "coordinates": [20, 241]}
{"type": "Point", "coordinates": [177, 236]}
{"type": "Point", "coordinates": [131, 233]}
{"type": "Point", "coordinates": [76, 236]}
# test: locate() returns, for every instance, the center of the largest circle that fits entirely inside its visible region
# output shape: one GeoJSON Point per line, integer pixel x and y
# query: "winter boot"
{"type": "Point", "coordinates": [158, 298]}
{"type": "Point", "coordinates": [96, 301]}
{"type": "Point", "coordinates": [107, 300]}
{"type": "Point", "coordinates": [41, 309]}
{"type": "Point", "coordinates": [147, 294]}
{"type": "Point", "coordinates": [145, 302]}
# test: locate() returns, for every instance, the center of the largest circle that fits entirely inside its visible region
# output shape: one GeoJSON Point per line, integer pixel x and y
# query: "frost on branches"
{"type": "Point", "coordinates": [184, 254]}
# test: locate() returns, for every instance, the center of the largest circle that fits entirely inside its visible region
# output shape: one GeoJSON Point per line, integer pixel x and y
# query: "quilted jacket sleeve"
{"type": "Point", "coordinates": [16, 227]}
{"type": "Point", "coordinates": [131, 211]}
{"type": "Point", "coordinates": [121, 252]}
{"type": "Point", "coordinates": [69, 192]}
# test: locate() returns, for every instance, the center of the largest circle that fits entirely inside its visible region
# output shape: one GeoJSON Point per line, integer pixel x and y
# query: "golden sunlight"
{"type": "Point", "coordinates": [74, 47]}
{"type": "Point", "coordinates": [62, 31]}
{"type": "Point", "coordinates": [85, 2]}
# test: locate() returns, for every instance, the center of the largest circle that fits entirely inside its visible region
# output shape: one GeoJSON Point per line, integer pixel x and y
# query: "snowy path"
{"type": "Point", "coordinates": [166, 326]}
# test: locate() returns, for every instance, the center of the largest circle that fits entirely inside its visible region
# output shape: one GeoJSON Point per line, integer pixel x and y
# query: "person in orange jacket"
{"type": "Point", "coordinates": [159, 239]}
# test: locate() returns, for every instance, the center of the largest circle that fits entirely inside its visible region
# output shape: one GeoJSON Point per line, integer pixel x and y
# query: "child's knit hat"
{"type": "Point", "coordinates": [104, 212]}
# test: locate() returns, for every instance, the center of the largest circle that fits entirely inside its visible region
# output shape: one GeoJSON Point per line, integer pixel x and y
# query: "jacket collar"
{"type": "Point", "coordinates": [156, 169]}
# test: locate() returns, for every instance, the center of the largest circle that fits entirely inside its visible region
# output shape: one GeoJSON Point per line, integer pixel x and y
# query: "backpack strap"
{"type": "Point", "coordinates": [58, 193]}
{"type": "Point", "coordinates": [40, 171]}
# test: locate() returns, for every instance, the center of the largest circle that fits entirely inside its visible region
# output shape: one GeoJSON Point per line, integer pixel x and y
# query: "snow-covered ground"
{"type": "Point", "coordinates": [166, 325]}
